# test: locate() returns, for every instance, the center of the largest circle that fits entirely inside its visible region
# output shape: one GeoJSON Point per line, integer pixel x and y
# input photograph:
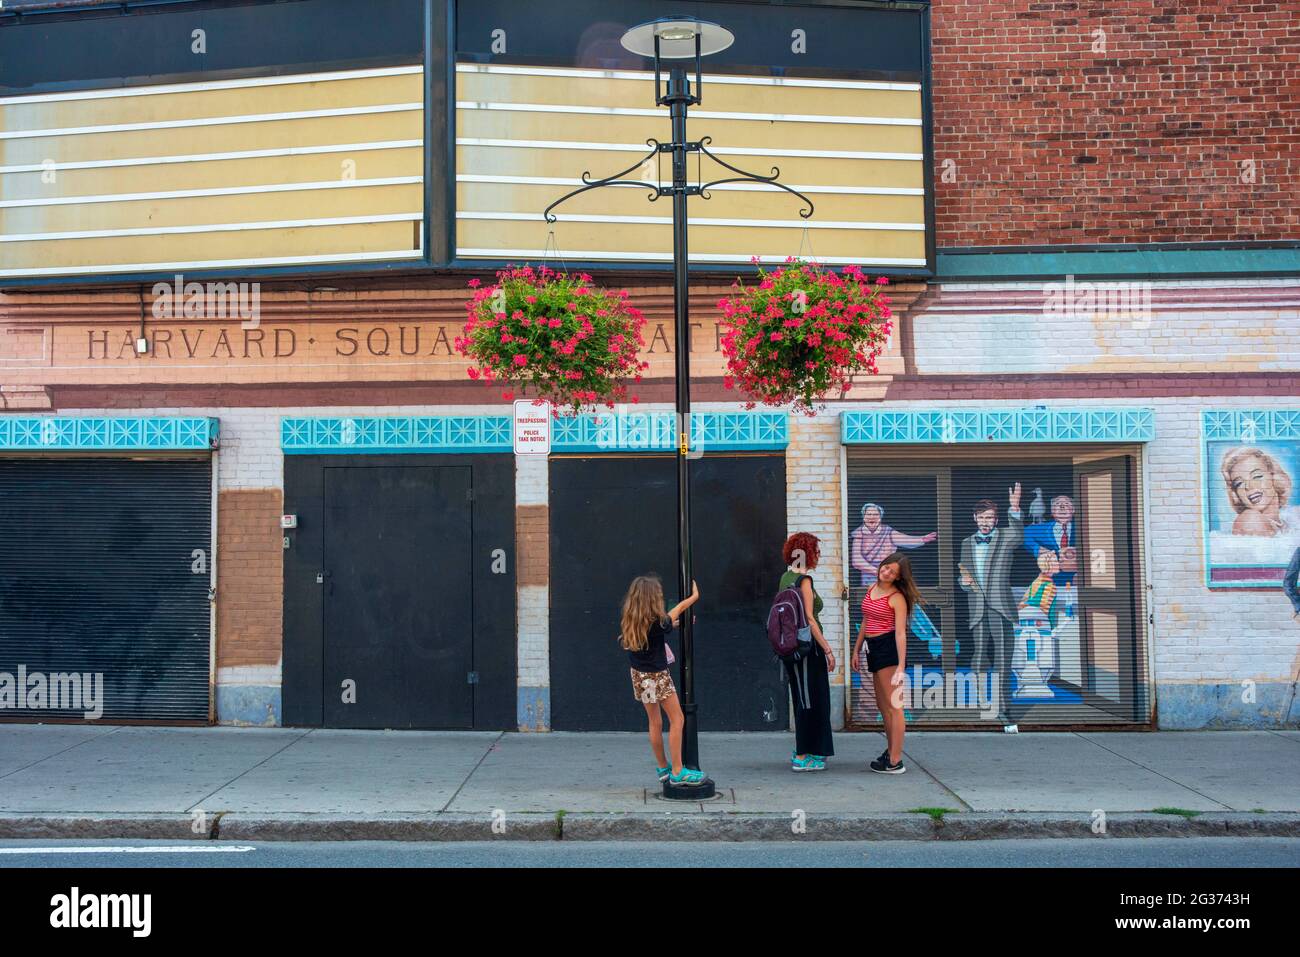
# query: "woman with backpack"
{"type": "Point", "coordinates": [645, 627]}
{"type": "Point", "coordinates": [886, 608]}
{"type": "Point", "coordinates": [810, 684]}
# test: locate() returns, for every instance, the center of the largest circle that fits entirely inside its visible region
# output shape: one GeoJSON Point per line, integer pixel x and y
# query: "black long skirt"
{"type": "Point", "coordinates": [812, 725]}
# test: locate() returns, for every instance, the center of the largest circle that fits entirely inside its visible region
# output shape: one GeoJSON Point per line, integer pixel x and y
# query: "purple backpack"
{"type": "Point", "coordinates": [788, 630]}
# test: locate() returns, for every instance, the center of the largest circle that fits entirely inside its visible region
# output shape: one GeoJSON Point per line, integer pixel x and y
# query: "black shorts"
{"type": "Point", "coordinates": [882, 652]}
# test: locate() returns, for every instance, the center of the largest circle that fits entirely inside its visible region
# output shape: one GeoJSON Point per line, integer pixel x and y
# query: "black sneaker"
{"type": "Point", "coordinates": [882, 766]}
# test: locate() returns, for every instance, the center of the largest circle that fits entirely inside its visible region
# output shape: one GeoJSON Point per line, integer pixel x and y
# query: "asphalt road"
{"type": "Point", "coordinates": [1056, 853]}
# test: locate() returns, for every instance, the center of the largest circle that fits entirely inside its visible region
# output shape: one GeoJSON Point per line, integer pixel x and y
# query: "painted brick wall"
{"type": "Point", "coordinates": [250, 590]}
{"type": "Point", "coordinates": [533, 526]}
{"type": "Point", "coordinates": [1178, 327]}
{"type": "Point", "coordinates": [1115, 121]}
{"type": "Point", "coordinates": [1200, 639]}
{"type": "Point", "coordinates": [812, 504]}
{"type": "Point", "coordinates": [1204, 643]}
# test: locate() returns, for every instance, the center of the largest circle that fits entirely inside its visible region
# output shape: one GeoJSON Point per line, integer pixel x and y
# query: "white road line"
{"type": "Point", "coordinates": [168, 849]}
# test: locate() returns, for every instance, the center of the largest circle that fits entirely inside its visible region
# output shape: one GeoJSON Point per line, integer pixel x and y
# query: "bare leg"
{"type": "Point", "coordinates": [890, 712]}
{"type": "Point", "coordinates": [674, 710]}
{"type": "Point", "coordinates": [656, 719]}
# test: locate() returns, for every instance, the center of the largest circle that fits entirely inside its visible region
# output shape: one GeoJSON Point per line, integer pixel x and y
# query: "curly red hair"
{"type": "Point", "coordinates": [802, 543]}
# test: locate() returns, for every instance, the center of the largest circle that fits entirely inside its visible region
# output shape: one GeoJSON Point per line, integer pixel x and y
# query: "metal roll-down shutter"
{"type": "Point", "coordinates": [105, 570]}
{"type": "Point", "coordinates": [1045, 627]}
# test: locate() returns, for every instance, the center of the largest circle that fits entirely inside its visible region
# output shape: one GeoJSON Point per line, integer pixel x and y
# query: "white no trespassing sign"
{"type": "Point", "coordinates": [532, 428]}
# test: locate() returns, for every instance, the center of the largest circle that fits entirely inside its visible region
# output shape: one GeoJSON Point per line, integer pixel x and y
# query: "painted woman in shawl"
{"type": "Point", "coordinates": [871, 543]}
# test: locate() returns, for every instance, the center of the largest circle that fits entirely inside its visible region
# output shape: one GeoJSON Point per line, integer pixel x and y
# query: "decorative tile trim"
{"type": "Point", "coordinates": [1252, 425]}
{"type": "Point", "coordinates": [424, 433]}
{"type": "Point", "coordinates": [972, 426]}
{"type": "Point", "coordinates": [657, 432]}
{"type": "Point", "coordinates": [55, 433]}
{"type": "Point", "coordinates": [610, 432]}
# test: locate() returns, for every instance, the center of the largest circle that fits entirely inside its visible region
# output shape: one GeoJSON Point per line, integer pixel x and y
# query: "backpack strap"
{"type": "Point", "coordinates": [798, 580]}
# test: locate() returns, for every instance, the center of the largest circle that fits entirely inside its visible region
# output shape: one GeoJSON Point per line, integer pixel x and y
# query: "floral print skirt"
{"type": "Point", "coordinates": [651, 687]}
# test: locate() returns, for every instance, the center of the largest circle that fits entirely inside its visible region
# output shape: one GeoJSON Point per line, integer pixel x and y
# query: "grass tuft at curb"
{"type": "Point", "coordinates": [936, 813]}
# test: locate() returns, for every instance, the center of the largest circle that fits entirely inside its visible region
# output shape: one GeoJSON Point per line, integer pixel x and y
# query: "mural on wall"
{"type": "Point", "coordinates": [1000, 637]}
{"type": "Point", "coordinates": [1291, 584]}
{"type": "Point", "coordinates": [871, 542]}
{"type": "Point", "coordinates": [1252, 517]}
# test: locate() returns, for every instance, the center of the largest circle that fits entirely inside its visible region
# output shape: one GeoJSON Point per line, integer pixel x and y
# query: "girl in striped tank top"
{"type": "Point", "coordinates": [886, 608]}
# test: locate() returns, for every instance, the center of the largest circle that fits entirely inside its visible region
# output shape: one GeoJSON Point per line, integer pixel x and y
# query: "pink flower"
{"type": "Point", "coordinates": [521, 360]}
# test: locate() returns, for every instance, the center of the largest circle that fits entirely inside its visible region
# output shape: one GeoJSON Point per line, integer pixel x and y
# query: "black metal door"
{"type": "Point", "coordinates": [105, 570]}
{"type": "Point", "coordinates": [613, 518]}
{"type": "Point", "coordinates": [398, 619]}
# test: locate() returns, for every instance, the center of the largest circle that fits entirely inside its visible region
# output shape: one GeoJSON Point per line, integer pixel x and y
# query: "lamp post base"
{"type": "Point", "coordinates": [703, 791]}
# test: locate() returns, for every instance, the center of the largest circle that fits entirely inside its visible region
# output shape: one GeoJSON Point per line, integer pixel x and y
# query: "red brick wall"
{"type": "Point", "coordinates": [533, 538]}
{"type": "Point", "coordinates": [1043, 140]}
{"type": "Point", "coordinates": [250, 556]}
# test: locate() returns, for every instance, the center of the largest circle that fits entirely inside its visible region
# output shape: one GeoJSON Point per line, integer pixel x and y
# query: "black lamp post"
{"type": "Point", "coordinates": [677, 39]}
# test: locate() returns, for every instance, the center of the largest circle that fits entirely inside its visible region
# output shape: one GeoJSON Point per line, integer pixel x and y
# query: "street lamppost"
{"type": "Point", "coordinates": [677, 39]}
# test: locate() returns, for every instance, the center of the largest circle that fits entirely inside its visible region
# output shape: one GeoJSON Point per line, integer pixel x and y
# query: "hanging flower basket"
{"type": "Point", "coordinates": [555, 335]}
{"type": "Point", "coordinates": [802, 332]}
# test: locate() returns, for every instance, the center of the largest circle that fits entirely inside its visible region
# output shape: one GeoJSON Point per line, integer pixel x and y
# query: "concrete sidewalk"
{"type": "Point", "coordinates": [243, 783]}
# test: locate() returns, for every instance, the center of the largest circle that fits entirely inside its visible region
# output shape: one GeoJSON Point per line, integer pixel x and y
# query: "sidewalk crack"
{"type": "Point", "coordinates": [1186, 787]}
{"type": "Point", "coordinates": [953, 794]}
{"type": "Point", "coordinates": [477, 765]}
{"type": "Point", "coordinates": [248, 769]}
{"type": "Point", "coordinates": [93, 737]}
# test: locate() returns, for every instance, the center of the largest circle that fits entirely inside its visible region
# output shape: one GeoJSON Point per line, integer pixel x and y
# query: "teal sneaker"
{"type": "Point", "coordinates": [688, 776]}
{"type": "Point", "coordinates": [663, 773]}
{"type": "Point", "coordinates": [810, 762]}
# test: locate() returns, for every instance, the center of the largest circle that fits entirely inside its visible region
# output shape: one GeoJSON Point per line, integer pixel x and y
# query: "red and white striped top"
{"type": "Point", "coordinates": [878, 614]}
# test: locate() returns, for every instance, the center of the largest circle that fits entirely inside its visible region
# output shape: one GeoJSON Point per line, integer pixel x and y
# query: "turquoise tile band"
{"type": "Point", "coordinates": [56, 433]}
{"type": "Point", "coordinates": [601, 432]}
{"type": "Point", "coordinates": [980, 426]}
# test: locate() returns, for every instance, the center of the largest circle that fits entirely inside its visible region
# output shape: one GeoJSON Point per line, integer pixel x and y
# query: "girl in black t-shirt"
{"type": "Point", "coordinates": [645, 628]}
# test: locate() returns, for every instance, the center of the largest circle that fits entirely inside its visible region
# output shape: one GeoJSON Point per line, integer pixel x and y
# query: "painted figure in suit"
{"type": "Point", "coordinates": [1291, 583]}
{"type": "Point", "coordinates": [1056, 536]}
{"type": "Point", "coordinates": [985, 576]}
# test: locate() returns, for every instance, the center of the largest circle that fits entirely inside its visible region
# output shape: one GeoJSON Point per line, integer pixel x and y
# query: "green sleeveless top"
{"type": "Point", "coordinates": [788, 579]}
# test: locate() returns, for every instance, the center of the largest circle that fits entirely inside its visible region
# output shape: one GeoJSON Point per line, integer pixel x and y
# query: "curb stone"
{"type": "Point", "coordinates": [986, 825]}
{"type": "Point", "coordinates": [415, 827]}
{"type": "Point", "coordinates": [666, 826]}
{"type": "Point", "coordinates": [745, 827]}
{"type": "Point", "coordinates": [145, 827]}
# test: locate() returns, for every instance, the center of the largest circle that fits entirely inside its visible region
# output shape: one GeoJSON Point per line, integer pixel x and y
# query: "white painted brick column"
{"type": "Point", "coordinates": [532, 488]}
{"type": "Point", "coordinates": [813, 504]}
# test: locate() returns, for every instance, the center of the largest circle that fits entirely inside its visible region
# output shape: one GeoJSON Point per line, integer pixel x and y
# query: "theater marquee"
{"type": "Point", "coordinates": [237, 139]}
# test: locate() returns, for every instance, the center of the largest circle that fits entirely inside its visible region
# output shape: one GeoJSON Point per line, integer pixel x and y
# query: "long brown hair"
{"type": "Point", "coordinates": [642, 606]}
{"type": "Point", "coordinates": [904, 582]}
